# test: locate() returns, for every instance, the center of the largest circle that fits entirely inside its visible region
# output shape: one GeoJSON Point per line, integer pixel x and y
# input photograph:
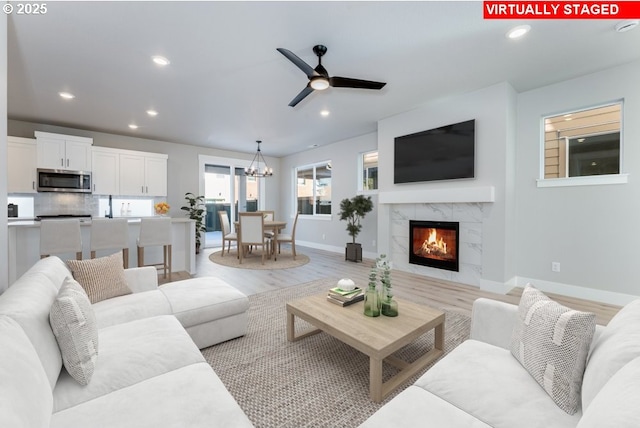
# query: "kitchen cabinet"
{"type": "Point", "coordinates": [105, 174]}
{"type": "Point", "coordinates": [21, 165]}
{"type": "Point", "coordinates": [143, 174]}
{"type": "Point", "coordinates": [57, 151]}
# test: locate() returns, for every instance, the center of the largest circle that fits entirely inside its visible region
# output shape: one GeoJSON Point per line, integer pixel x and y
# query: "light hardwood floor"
{"type": "Point", "coordinates": [324, 264]}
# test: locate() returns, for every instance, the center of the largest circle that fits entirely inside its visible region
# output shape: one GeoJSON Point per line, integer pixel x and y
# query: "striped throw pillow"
{"type": "Point", "coordinates": [74, 325]}
{"type": "Point", "coordinates": [551, 342]}
{"type": "Point", "coordinates": [102, 278]}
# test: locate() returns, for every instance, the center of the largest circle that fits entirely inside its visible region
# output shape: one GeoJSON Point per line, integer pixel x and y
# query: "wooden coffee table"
{"type": "Point", "coordinates": [377, 337]}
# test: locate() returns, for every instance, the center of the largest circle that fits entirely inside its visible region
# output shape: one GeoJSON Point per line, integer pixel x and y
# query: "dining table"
{"type": "Point", "coordinates": [274, 225]}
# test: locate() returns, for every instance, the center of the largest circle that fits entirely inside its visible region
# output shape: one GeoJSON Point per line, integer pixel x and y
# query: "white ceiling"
{"type": "Point", "coordinates": [227, 86]}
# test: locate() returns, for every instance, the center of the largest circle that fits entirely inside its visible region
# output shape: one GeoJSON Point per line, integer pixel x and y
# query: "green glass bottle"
{"type": "Point", "coordinates": [371, 298]}
{"type": "Point", "coordinates": [371, 302]}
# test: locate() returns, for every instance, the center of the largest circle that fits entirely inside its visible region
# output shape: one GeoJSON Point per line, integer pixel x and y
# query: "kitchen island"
{"type": "Point", "coordinates": [24, 245]}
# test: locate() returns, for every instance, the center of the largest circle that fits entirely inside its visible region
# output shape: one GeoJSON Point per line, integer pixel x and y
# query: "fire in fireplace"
{"type": "Point", "coordinates": [434, 244]}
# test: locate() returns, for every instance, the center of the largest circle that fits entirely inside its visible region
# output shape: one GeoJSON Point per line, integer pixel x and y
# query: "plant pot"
{"type": "Point", "coordinates": [353, 252]}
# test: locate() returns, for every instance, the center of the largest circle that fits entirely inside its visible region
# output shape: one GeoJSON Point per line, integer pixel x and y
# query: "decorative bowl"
{"type": "Point", "coordinates": [346, 284]}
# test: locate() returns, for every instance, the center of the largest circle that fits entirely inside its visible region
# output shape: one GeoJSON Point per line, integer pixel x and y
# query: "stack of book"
{"type": "Point", "coordinates": [345, 298]}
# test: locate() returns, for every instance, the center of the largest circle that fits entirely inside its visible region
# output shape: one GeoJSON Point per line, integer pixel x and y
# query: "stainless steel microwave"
{"type": "Point", "coordinates": [60, 180]}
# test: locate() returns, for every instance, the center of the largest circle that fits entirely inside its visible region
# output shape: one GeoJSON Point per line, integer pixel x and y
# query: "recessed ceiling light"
{"type": "Point", "coordinates": [133, 126]}
{"type": "Point", "coordinates": [324, 113]}
{"type": "Point", "coordinates": [519, 31]}
{"type": "Point", "coordinates": [313, 146]}
{"type": "Point", "coordinates": [160, 60]}
{"type": "Point", "coordinates": [627, 25]}
{"type": "Point", "coordinates": [66, 95]}
{"type": "Point", "coordinates": [152, 112]}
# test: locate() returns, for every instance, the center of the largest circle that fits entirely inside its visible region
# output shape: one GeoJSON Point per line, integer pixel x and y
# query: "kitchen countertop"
{"type": "Point", "coordinates": [85, 221]}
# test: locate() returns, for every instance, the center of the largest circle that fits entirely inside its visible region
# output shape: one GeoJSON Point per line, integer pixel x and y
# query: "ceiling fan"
{"type": "Point", "coordinates": [319, 78]}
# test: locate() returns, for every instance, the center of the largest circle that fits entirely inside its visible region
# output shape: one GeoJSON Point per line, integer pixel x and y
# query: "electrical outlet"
{"type": "Point", "coordinates": [323, 236]}
{"type": "Point", "coordinates": [555, 266]}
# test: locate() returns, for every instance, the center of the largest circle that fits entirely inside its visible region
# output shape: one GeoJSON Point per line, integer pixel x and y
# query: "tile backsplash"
{"type": "Point", "coordinates": [31, 205]}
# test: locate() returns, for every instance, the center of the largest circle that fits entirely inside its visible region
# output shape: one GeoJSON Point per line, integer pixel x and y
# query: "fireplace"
{"type": "Point", "coordinates": [434, 244]}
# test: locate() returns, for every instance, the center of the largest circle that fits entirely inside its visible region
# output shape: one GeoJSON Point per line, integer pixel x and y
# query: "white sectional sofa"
{"type": "Point", "coordinates": [148, 372]}
{"type": "Point", "coordinates": [480, 383]}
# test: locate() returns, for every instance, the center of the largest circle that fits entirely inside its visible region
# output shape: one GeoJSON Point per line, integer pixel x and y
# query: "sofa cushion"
{"type": "Point", "coordinates": [191, 396]}
{"type": "Point", "coordinates": [199, 300]}
{"type": "Point", "coordinates": [74, 325]}
{"type": "Point", "coordinates": [25, 393]}
{"type": "Point", "coordinates": [618, 344]}
{"type": "Point", "coordinates": [102, 278]}
{"type": "Point", "coordinates": [37, 289]}
{"type": "Point", "coordinates": [130, 353]}
{"type": "Point", "coordinates": [131, 307]}
{"type": "Point", "coordinates": [551, 342]}
{"type": "Point", "coordinates": [490, 384]}
{"type": "Point", "coordinates": [415, 407]}
{"type": "Point", "coordinates": [616, 405]}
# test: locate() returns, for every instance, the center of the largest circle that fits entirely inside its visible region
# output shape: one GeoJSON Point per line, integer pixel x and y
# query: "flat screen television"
{"type": "Point", "coordinates": [444, 153]}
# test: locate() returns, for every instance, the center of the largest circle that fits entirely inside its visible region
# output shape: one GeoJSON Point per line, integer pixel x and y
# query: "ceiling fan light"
{"type": "Point", "coordinates": [319, 83]}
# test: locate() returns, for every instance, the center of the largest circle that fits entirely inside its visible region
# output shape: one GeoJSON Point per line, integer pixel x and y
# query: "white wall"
{"type": "Point", "coordinates": [182, 167]}
{"type": "Point", "coordinates": [4, 238]}
{"type": "Point", "coordinates": [493, 108]}
{"type": "Point", "coordinates": [593, 231]}
{"type": "Point", "coordinates": [344, 181]}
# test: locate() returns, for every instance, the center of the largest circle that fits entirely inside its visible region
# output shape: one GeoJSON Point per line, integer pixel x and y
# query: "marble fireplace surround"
{"type": "Point", "coordinates": [467, 206]}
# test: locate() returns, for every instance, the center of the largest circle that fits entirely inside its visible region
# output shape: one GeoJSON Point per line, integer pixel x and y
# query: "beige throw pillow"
{"type": "Point", "coordinates": [102, 278]}
{"type": "Point", "coordinates": [551, 342]}
{"type": "Point", "coordinates": [74, 325]}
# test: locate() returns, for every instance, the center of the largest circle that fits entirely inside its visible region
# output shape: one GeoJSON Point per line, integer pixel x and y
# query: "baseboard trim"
{"type": "Point", "coordinates": [603, 296]}
{"type": "Point", "coordinates": [496, 286]}
{"type": "Point", "coordinates": [333, 249]}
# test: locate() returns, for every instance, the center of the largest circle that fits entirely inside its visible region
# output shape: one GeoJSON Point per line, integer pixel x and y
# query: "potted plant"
{"type": "Point", "coordinates": [353, 211]}
{"type": "Point", "coordinates": [196, 212]}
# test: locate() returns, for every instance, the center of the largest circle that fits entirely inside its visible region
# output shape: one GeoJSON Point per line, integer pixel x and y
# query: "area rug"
{"type": "Point", "coordinates": [315, 382]}
{"type": "Point", "coordinates": [254, 260]}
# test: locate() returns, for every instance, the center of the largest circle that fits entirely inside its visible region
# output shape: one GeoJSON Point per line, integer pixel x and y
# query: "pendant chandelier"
{"type": "Point", "coordinates": [255, 170]}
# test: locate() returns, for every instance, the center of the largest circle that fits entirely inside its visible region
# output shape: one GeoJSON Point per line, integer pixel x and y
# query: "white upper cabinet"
{"type": "Point", "coordinates": [21, 165]}
{"type": "Point", "coordinates": [143, 174]}
{"type": "Point", "coordinates": [57, 151]}
{"type": "Point", "coordinates": [155, 172]}
{"type": "Point", "coordinates": [105, 174]}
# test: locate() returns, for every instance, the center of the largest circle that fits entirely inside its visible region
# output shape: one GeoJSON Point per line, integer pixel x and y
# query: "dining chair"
{"type": "Point", "coordinates": [227, 236]}
{"type": "Point", "coordinates": [252, 233]}
{"type": "Point", "coordinates": [268, 215]}
{"type": "Point", "coordinates": [291, 238]}
{"type": "Point", "coordinates": [156, 231]}
{"type": "Point", "coordinates": [60, 237]}
{"type": "Point", "coordinates": [110, 234]}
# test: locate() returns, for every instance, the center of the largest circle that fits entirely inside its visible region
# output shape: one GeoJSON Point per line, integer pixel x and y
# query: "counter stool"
{"type": "Point", "coordinates": [110, 234]}
{"type": "Point", "coordinates": [60, 237]}
{"type": "Point", "coordinates": [156, 232]}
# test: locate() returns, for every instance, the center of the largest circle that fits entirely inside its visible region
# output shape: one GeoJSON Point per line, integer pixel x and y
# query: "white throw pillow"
{"type": "Point", "coordinates": [102, 278]}
{"type": "Point", "coordinates": [618, 344]}
{"type": "Point", "coordinates": [616, 404]}
{"type": "Point", "coordinates": [74, 325]}
{"type": "Point", "coordinates": [551, 342]}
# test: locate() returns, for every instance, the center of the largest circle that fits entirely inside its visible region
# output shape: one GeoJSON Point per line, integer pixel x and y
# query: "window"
{"type": "Point", "coordinates": [583, 143]}
{"type": "Point", "coordinates": [369, 171]}
{"type": "Point", "coordinates": [313, 189]}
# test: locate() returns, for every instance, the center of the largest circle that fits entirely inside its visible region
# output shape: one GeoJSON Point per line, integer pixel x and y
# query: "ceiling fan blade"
{"type": "Point", "coordinates": [306, 68]}
{"type": "Point", "coordinates": [301, 96]}
{"type": "Point", "coordinates": [346, 82]}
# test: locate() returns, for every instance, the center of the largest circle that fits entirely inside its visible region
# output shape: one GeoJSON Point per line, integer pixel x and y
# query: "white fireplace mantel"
{"type": "Point", "coordinates": [431, 196]}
